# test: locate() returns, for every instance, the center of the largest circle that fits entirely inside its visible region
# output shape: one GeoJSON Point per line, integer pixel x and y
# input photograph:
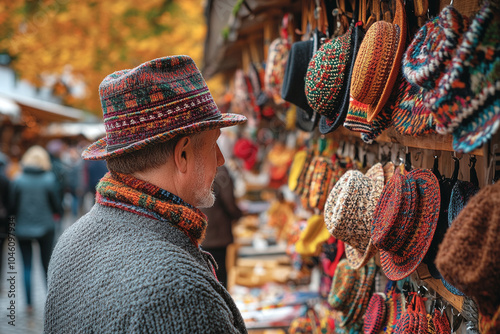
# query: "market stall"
{"type": "Point", "coordinates": [373, 137]}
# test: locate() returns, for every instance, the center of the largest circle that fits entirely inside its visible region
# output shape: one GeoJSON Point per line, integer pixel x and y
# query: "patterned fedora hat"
{"type": "Point", "coordinates": [359, 249]}
{"type": "Point", "coordinates": [152, 103]}
{"type": "Point", "coordinates": [331, 122]}
{"type": "Point", "coordinates": [377, 64]}
{"type": "Point", "coordinates": [404, 240]}
{"type": "Point", "coordinates": [466, 100]}
{"type": "Point", "coordinates": [375, 314]}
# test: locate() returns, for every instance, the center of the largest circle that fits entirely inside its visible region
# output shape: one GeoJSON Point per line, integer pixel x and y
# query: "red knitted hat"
{"type": "Point", "coordinates": [152, 103]}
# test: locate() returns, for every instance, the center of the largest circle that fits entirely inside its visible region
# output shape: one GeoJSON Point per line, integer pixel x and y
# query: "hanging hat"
{"type": "Point", "coordinates": [152, 103]}
{"type": "Point", "coordinates": [343, 290]}
{"type": "Point", "coordinates": [312, 237]}
{"type": "Point", "coordinates": [403, 238]}
{"type": "Point", "coordinates": [275, 68]}
{"type": "Point", "coordinates": [395, 308]}
{"type": "Point", "coordinates": [359, 247]}
{"type": "Point", "coordinates": [467, 101]}
{"type": "Point", "coordinates": [329, 123]}
{"type": "Point", "coordinates": [246, 150]}
{"type": "Point", "coordinates": [377, 64]}
{"type": "Point", "coordinates": [375, 314]}
{"type": "Point", "coordinates": [432, 48]}
{"type": "Point", "coordinates": [349, 209]}
{"type": "Point", "coordinates": [410, 116]}
{"type": "Point", "coordinates": [381, 122]}
{"type": "Point", "coordinates": [322, 182]}
{"type": "Point", "coordinates": [358, 307]}
{"type": "Point", "coordinates": [298, 163]}
{"type": "Point", "coordinates": [469, 265]}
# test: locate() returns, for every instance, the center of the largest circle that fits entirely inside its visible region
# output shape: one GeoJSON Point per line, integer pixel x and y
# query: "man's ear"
{"type": "Point", "coordinates": [181, 153]}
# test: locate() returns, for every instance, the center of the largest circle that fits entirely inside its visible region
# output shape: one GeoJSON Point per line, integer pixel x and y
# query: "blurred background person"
{"type": "Point", "coordinates": [34, 203]}
{"type": "Point", "coordinates": [221, 216]}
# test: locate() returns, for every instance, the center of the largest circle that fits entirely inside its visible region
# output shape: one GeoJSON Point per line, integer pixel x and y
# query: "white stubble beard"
{"type": "Point", "coordinates": [205, 198]}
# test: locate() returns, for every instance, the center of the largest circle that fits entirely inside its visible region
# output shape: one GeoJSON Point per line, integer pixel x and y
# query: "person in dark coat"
{"type": "Point", "coordinates": [221, 217]}
{"type": "Point", "coordinates": [34, 203]}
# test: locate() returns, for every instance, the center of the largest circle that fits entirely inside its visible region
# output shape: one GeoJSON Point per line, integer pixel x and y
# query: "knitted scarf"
{"type": "Point", "coordinates": [131, 194]}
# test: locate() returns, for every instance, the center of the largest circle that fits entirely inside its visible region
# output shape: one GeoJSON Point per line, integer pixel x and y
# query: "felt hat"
{"type": "Point", "coordinates": [404, 222]}
{"type": "Point", "coordinates": [359, 247]}
{"type": "Point", "coordinates": [329, 123]}
{"type": "Point", "coordinates": [432, 48]}
{"type": "Point", "coordinates": [312, 237]}
{"type": "Point", "coordinates": [469, 265]}
{"type": "Point", "coordinates": [375, 314]}
{"type": "Point", "coordinates": [152, 103]}
{"type": "Point", "coordinates": [295, 72]}
{"type": "Point", "coordinates": [466, 101]}
{"type": "Point", "coordinates": [377, 65]}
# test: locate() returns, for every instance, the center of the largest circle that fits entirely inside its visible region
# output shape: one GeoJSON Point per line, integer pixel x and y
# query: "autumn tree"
{"type": "Point", "coordinates": [93, 38]}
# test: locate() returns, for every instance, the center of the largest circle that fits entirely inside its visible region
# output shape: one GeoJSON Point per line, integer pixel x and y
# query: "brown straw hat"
{"type": "Point", "coordinates": [377, 65]}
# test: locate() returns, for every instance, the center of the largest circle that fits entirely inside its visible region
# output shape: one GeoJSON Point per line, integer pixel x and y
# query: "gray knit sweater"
{"type": "Point", "coordinates": [117, 272]}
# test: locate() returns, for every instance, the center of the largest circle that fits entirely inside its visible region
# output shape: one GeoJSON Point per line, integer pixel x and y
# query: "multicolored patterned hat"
{"type": "Point", "coordinates": [298, 163]}
{"type": "Point", "coordinates": [326, 74]}
{"type": "Point", "coordinates": [466, 101]}
{"type": "Point", "coordinates": [343, 290]}
{"type": "Point", "coordinates": [432, 48]}
{"type": "Point", "coordinates": [359, 249]}
{"type": "Point", "coordinates": [152, 103]}
{"type": "Point", "coordinates": [395, 308]}
{"type": "Point", "coordinates": [375, 314]}
{"type": "Point", "coordinates": [403, 239]}
{"type": "Point", "coordinates": [377, 64]}
{"type": "Point", "coordinates": [331, 123]}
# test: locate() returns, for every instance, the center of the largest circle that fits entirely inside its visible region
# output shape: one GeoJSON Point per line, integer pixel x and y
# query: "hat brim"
{"type": "Point", "coordinates": [399, 266]}
{"type": "Point", "coordinates": [400, 23]}
{"type": "Point", "coordinates": [358, 259]}
{"type": "Point", "coordinates": [99, 151]}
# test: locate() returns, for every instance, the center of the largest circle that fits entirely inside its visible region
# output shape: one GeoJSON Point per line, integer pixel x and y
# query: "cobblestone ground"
{"type": "Point", "coordinates": [25, 322]}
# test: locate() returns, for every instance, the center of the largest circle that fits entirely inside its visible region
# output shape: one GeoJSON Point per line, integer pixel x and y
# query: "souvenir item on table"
{"type": "Point", "coordinates": [246, 150]}
{"type": "Point", "coordinates": [472, 266]}
{"type": "Point", "coordinates": [376, 69]}
{"type": "Point", "coordinates": [312, 237]}
{"type": "Point", "coordinates": [375, 314]}
{"type": "Point", "coordinates": [467, 100]}
{"type": "Point", "coordinates": [405, 220]}
{"type": "Point", "coordinates": [328, 124]}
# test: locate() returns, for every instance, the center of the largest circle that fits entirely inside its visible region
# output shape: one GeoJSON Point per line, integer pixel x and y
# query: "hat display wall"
{"type": "Point", "coordinates": [466, 101]}
{"type": "Point", "coordinates": [405, 220]}
{"type": "Point", "coordinates": [377, 64]}
{"type": "Point", "coordinates": [468, 256]}
{"type": "Point", "coordinates": [152, 103]}
{"type": "Point", "coordinates": [349, 210]}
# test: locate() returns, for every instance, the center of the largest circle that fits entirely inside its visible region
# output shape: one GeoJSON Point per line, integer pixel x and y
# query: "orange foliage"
{"type": "Point", "coordinates": [96, 37]}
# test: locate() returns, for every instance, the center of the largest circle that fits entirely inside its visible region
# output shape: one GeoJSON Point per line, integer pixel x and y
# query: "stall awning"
{"type": "Point", "coordinates": [91, 131]}
{"type": "Point", "coordinates": [44, 110]}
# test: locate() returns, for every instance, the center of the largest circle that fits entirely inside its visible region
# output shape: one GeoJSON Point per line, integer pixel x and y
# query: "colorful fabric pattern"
{"type": "Point", "coordinates": [154, 102]}
{"type": "Point", "coordinates": [131, 194]}
{"type": "Point", "coordinates": [375, 314]}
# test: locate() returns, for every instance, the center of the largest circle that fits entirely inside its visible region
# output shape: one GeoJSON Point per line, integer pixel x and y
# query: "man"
{"type": "Point", "coordinates": [133, 264]}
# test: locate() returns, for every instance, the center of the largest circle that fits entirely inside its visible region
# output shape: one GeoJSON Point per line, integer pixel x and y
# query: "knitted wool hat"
{"type": "Point", "coordinates": [410, 116]}
{"type": "Point", "coordinates": [468, 256]}
{"type": "Point", "coordinates": [343, 289]}
{"type": "Point", "coordinates": [330, 123]}
{"type": "Point", "coordinates": [377, 64]}
{"type": "Point", "coordinates": [395, 308]}
{"type": "Point", "coordinates": [375, 314]}
{"type": "Point", "coordinates": [429, 53]}
{"type": "Point", "coordinates": [467, 98]}
{"type": "Point", "coordinates": [349, 209]}
{"type": "Point", "coordinates": [326, 74]}
{"type": "Point", "coordinates": [152, 103]}
{"type": "Point", "coordinates": [360, 230]}
{"type": "Point", "coordinates": [403, 238]}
